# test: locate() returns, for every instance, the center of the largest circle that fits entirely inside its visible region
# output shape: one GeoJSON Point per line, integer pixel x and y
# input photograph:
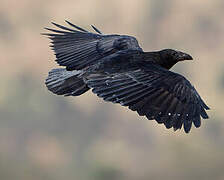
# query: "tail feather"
{"type": "Point", "coordinates": [67, 83]}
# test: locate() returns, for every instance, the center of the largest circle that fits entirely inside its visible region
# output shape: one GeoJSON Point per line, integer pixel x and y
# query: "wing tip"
{"type": "Point", "coordinates": [95, 29]}
{"type": "Point", "coordinates": [75, 26]}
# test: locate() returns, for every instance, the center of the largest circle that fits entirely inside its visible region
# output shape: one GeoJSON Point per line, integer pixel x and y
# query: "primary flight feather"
{"type": "Point", "coordinates": [117, 69]}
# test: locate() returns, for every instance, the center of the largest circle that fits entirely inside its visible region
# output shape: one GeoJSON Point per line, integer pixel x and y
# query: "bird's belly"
{"type": "Point", "coordinates": [114, 66]}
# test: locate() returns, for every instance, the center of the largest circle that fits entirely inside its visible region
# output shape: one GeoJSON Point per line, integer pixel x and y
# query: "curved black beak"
{"type": "Point", "coordinates": [183, 56]}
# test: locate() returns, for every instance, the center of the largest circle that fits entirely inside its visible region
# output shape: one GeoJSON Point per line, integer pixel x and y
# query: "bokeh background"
{"type": "Point", "coordinates": [48, 137]}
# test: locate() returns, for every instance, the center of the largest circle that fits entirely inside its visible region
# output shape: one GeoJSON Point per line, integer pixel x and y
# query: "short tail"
{"type": "Point", "coordinates": [67, 83]}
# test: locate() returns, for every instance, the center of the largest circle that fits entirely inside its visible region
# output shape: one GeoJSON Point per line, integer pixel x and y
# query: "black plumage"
{"type": "Point", "coordinates": [117, 69]}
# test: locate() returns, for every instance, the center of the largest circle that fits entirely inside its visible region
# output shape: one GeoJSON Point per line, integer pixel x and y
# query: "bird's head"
{"type": "Point", "coordinates": [174, 55]}
{"type": "Point", "coordinates": [171, 57]}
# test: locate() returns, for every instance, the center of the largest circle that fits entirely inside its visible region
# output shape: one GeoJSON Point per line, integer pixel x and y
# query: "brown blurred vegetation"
{"type": "Point", "coordinates": [43, 136]}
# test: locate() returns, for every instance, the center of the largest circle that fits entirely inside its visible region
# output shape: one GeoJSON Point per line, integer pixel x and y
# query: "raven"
{"type": "Point", "coordinates": [117, 69]}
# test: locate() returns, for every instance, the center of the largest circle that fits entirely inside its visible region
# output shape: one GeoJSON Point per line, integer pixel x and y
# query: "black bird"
{"type": "Point", "coordinates": [117, 69]}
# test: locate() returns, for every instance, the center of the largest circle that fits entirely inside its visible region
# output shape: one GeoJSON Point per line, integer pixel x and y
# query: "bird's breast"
{"type": "Point", "coordinates": [114, 65]}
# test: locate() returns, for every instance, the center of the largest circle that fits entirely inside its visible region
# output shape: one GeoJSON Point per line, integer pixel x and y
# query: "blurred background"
{"type": "Point", "coordinates": [48, 137]}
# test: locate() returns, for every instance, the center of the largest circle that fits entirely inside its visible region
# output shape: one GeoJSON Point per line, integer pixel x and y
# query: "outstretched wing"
{"type": "Point", "coordinates": [77, 48]}
{"type": "Point", "coordinates": [158, 94]}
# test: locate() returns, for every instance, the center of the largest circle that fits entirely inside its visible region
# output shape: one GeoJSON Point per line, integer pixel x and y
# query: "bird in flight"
{"type": "Point", "coordinates": [117, 69]}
